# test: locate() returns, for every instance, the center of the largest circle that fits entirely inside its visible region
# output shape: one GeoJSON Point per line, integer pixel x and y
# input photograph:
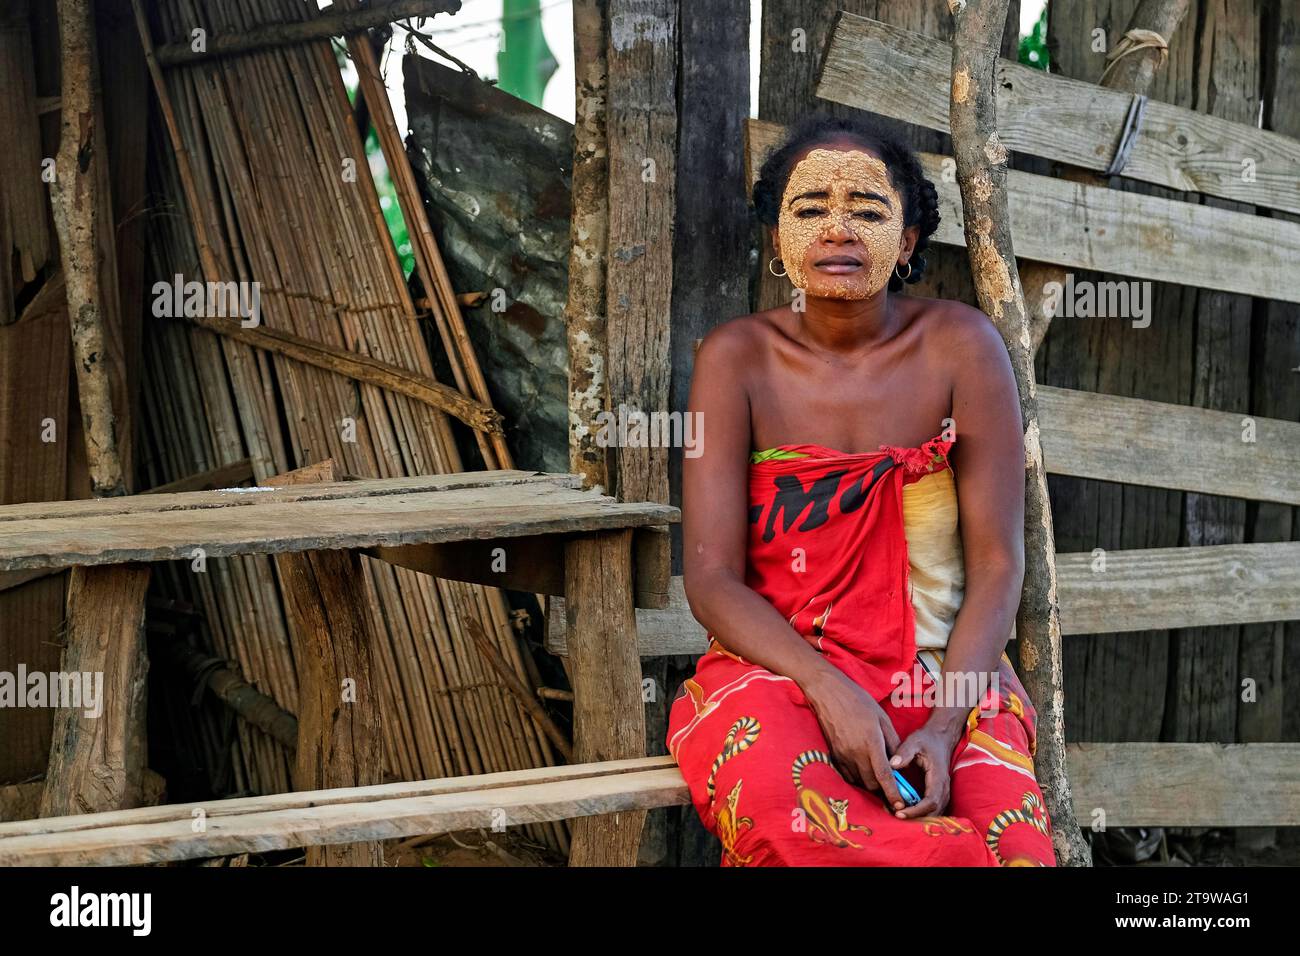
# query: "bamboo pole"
{"type": "Point", "coordinates": [981, 174]}
{"type": "Point", "coordinates": [432, 271]}
{"type": "Point", "coordinates": [77, 218]}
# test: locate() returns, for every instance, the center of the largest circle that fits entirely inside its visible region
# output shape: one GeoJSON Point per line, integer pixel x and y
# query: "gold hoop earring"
{"type": "Point", "coordinates": [773, 271]}
{"type": "Point", "coordinates": [904, 278]}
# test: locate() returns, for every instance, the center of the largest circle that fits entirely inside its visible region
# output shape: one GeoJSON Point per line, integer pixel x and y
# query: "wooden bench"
{"type": "Point", "coordinates": [557, 538]}
{"type": "Point", "coordinates": [342, 816]}
{"type": "Point", "coordinates": [1134, 784]}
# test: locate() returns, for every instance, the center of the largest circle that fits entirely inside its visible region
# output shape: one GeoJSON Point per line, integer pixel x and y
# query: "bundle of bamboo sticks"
{"type": "Point", "coordinates": [271, 174]}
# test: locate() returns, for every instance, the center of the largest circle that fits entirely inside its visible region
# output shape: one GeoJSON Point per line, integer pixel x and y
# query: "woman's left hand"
{"type": "Point", "coordinates": [932, 749]}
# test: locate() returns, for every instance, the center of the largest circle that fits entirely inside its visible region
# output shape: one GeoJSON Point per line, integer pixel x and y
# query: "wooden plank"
{"type": "Point", "coordinates": [307, 525]}
{"type": "Point", "coordinates": [99, 752]}
{"type": "Point", "coordinates": [1205, 661]}
{"type": "Point", "coordinates": [1187, 784]}
{"type": "Point", "coordinates": [1129, 234]}
{"type": "Point", "coordinates": [1161, 445]}
{"type": "Point", "coordinates": [1139, 589]}
{"type": "Point", "coordinates": [873, 66]}
{"type": "Point", "coordinates": [660, 632]}
{"type": "Point", "coordinates": [626, 795]}
{"type": "Point", "coordinates": [641, 126]}
{"type": "Point", "coordinates": [236, 497]}
{"type": "Point", "coordinates": [605, 670]}
{"type": "Point", "coordinates": [339, 736]}
{"type": "Point", "coordinates": [1180, 587]}
{"type": "Point", "coordinates": [300, 800]}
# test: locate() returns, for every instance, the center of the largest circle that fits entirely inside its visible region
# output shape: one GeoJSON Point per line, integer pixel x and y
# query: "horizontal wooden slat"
{"type": "Point", "coordinates": [1186, 784]}
{"type": "Point", "coordinates": [176, 812]}
{"type": "Point", "coordinates": [907, 76]}
{"type": "Point", "coordinates": [374, 513]}
{"type": "Point", "coordinates": [1138, 590]}
{"type": "Point", "coordinates": [1134, 784]}
{"type": "Point", "coordinates": [1112, 438]}
{"type": "Point", "coordinates": [660, 632]}
{"type": "Point", "coordinates": [1157, 588]}
{"type": "Point", "coordinates": [1128, 234]}
{"type": "Point", "coordinates": [256, 830]}
{"type": "Point", "coordinates": [241, 497]}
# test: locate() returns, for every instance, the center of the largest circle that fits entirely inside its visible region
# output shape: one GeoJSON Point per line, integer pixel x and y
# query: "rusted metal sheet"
{"type": "Point", "coordinates": [495, 172]}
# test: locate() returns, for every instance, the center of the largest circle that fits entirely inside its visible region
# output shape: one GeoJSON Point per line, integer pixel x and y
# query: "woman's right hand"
{"type": "Point", "coordinates": [859, 732]}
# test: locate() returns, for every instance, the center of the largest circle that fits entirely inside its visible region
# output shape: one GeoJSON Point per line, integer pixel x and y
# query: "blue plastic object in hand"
{"type": "Point", "coordinates": [905, 790]}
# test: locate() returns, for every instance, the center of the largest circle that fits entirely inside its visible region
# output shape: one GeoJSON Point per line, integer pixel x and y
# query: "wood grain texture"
{"type": "Point", "coordinates": [97, 760]}
{"type": "Point", "coordinates": [1206, 682]}
{"type": "Point", "coordinates": [234, 497]}
{"type": "Point", "coordinates": [1187, 784]}
{"type": "Point", "coordinates": [625, 796]}
{"type": "Point", "coordinates": [899, 73]}
{"type": "Point", "coordinates": [1180, 587]}
{"type": "Point", "coordinates": [605, 670]}
{"type": "Point", "coordinates": [78, 199]}
{"type": "Point", "coordinates": [339, 738]}
{"type": "Point", "coordinates": [380, 512]}
{"type": "Point", "coordinates": [300, 800]}
{"type": "Point", "coordinates": [641, 117]}
{"type": "Point", "coordinates": [1162, 445]}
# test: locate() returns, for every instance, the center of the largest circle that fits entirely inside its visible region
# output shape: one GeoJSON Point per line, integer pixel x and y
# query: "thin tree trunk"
{"type": "Point", "coordinates": [76, 217]}
{"type": "Point", "coordinates": [589, 234]}
{"type": "Point", "coordinates": [981, 174]}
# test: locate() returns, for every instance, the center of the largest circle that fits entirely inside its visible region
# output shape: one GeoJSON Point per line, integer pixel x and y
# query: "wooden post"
{"type": "Point", "coordinates": [76, 209]}
{"type": "Point", "coordinates": [97, 760]}
{"type": "Point", "coordinates": [981, 173]}
{"type": "Point", "coordinates": [339, 742]}
{"type": "Point", "coordinates": [605, 667]}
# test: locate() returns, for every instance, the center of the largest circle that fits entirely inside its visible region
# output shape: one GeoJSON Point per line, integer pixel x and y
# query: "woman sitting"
{"type": "Point", "coordinates": [856, 628]}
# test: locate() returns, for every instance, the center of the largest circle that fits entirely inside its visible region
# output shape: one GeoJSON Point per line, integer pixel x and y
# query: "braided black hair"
{"type": "Point", "coordinates": [920, 199]}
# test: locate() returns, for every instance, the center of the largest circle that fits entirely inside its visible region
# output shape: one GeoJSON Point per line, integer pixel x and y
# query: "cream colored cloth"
{"type": "Point", "coordinates": [937, 570]}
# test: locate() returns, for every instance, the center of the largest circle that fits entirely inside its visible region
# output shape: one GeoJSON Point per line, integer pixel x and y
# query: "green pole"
{"type": "Point", "coordinates": [524, 62]}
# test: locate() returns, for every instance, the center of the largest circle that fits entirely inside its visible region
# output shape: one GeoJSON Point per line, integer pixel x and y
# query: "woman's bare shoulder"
{"type": "Point", "coordinates": [744, 339]}
{"type": "Point", "coordinates": [958, 330]}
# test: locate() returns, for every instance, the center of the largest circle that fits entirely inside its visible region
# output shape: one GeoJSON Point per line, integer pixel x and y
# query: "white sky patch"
{"type": "Point", "coordinates": [1030, 11]}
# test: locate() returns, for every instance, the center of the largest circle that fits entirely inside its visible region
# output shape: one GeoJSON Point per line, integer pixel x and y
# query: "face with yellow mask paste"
{"type": "Point", "coordinates": [841, 224]}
